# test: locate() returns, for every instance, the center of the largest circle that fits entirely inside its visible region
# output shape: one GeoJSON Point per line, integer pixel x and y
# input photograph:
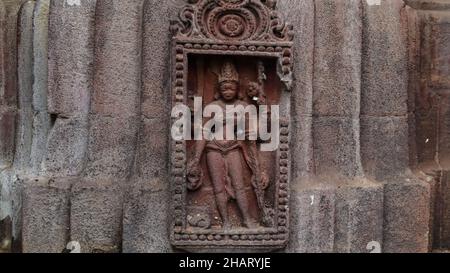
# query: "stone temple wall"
{"type": "Point", "coordinates": [85, 120]}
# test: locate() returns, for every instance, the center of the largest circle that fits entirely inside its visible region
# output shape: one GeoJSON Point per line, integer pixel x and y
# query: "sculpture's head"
{"type": "Point", "coordinates": [228, 90]}
{"type": "Point", "coordinates": [253, 89]}
{"type": "Point", "coordinates": [228, 82]}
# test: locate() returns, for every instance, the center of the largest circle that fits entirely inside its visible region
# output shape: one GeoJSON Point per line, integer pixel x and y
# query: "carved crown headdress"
{"type": "Point", "coordinates": [228, 73]}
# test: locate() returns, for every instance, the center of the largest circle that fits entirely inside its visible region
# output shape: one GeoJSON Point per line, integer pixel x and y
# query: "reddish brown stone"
{"type": "Point", "coordinates": [227, 194]}
{"type": "Point", "coordinates": [369, 102]}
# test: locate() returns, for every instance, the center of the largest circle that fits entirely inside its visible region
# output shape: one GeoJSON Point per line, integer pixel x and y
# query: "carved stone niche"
{"type": "Point", "coordinates": [230, 195]}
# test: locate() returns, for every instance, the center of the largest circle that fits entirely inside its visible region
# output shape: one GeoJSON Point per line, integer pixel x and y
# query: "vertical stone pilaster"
{"type": "Point", "coordinates": [10, 188]}
{"type": "Point", "coordinates": [41, 119]}
{"type": "Point", "coordinates": [70, 76]}
{"type": "Point", "coordinates": [113, 127]}
{"type": "Point", "coordinates": [25, 87]}
{"type": "Point", "coordinates": [385, 127]}
{"type": "Point", "coordinates": [60, 101]}
{"type": "Point", "coordinates": [147, 206]}
{"type": "Point", "coordinates": [432, 108]}
{"type": "Point", "coordinates": [337, 88]}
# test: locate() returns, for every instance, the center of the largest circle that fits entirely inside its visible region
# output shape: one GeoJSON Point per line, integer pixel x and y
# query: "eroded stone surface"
{"type": "Point", "coordinates": [89, 158]}
{"type": "Point", "coordinates": [46, 204]}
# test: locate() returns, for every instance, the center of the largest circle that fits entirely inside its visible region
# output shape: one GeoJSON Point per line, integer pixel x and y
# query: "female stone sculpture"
{"type": "Point", "coordinates": [226, 160]}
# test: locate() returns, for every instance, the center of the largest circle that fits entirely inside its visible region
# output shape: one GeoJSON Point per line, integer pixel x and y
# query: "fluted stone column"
{"type": "Point", "coordinates": [301, 16]}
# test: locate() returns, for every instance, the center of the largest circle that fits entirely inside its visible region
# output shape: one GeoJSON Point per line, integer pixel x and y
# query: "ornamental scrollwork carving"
{"type": "Point", "coordinates": [232, 20]}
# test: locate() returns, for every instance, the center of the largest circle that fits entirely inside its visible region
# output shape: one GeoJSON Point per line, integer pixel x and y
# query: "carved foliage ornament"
{"type": "Point", "coordinates": [232, 20]}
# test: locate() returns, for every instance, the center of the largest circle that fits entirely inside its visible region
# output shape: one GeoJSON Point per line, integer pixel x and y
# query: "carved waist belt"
{"type": "Point", "coordinates": [223, 150]}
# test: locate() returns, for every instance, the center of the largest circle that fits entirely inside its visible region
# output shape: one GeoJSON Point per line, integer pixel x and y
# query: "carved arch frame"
{"type": "Point", "coordinates": [271, 37]}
